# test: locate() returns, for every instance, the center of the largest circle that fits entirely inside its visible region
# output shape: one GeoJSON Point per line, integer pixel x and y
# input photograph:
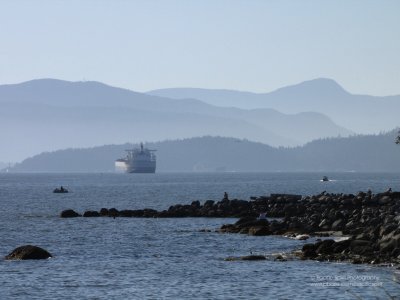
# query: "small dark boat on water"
{"type": "Point", "coordinates": [60, 190]}
{"type": "Point", "coordinates": [325, 178]}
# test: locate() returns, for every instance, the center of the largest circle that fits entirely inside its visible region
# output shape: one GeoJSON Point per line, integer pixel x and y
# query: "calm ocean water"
{"type": "Point", "coordinates": [104, 258]}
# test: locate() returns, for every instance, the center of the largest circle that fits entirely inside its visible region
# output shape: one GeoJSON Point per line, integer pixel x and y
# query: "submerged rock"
{"type": "Point", "coordinates": [28, 252]}
{"type": "Point", "coordinates": [247, 257]}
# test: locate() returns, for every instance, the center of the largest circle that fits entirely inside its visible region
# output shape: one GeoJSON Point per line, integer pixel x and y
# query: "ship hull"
{"type": "Point", "coordinates": [126, 167]}
{"type": "Point", "coordinates": [147, 170]}
{"type": "Point", "coordinates": [141, 167]}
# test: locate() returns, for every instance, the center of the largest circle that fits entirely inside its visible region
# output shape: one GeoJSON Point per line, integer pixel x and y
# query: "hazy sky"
{"type": "Point", "coordinates": [244, 45]}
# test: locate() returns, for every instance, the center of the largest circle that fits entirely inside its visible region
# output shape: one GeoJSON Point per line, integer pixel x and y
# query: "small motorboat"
{"type": "Point", "coordinates": [325, 178]}
{"type": "Point", "coordinates": [60, 190]}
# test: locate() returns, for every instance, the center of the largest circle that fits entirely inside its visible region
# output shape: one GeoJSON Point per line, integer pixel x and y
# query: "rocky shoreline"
{"type": "Point", "coordinates": [370, 221]}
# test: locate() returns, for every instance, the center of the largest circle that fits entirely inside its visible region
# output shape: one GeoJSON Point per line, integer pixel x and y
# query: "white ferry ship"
{"type": "Point", "coordinates": [138, 160]}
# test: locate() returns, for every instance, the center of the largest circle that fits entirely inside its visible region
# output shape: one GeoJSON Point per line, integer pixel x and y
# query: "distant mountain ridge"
{"type": "Point", "coordinates": [363, 153]}
{"type": "Point", "coordinates": [47, 114]}
{"type": "Point", "coordinates": [360, 113]}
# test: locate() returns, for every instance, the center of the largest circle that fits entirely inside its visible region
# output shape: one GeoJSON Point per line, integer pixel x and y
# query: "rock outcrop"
{"type": "Point", "coordinates": [372, 222]}
{"type": "Point", "coordinates": [210, 209]}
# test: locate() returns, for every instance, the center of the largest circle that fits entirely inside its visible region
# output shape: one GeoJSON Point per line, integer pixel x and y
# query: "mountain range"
{"type": "Point", "coordinates": [364, 153]}
{"type": "Point", "coordinates": [48, 114]}
{"type": "Point", "coordinates": [358, 113]}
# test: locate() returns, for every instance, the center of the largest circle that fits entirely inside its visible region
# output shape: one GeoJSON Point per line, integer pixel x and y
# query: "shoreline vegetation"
{"type": "Point", "coordinates": [369, 224]}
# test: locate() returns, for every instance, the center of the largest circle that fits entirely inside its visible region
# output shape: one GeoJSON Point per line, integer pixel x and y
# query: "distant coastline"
{"type": "Point", "coordinates": [359, 153]}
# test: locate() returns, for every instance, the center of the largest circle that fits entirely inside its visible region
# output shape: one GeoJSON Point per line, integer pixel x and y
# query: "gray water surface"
{"type": "Point", "coordinates": [105, 258]}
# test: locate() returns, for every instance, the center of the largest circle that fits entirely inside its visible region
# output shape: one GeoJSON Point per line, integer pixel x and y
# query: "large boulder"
{"type": "Point", "coordinates": [28, 252]}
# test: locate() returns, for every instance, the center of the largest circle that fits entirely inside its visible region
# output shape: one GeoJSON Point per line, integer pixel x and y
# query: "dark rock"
{"type": "Point", "coordinates": [280, 258]}
{"type": "Point", "coordinates": [112, 212]}
{"type": "Point", "coordinates": [288, 197]}
{"type": "Point", "coordinates": [337, 225]}
{"type": "Point", "coordinates": [149, 213]}
{"type": "Point", "coordinates": [91, 213]}
{"type": "Point", "coordinates": [387, 245]}
{"type": "Point", "coordinates": [254, 257]}
{"type": "Point", "coordinates": [229, 228]}
{"type": "Point", "coordinates": [69, 213]}
{"type": "Point", "coordinates": [259, 231]}
{"type": "Point", "coordinates": [387, 229]}
{"type": "Point", "coordinates": [325, 224]}
{"type": "Point", "coordinates": [196, 204]}
{"type": "Point", "coordinates": [356, 261]}
{"type": "Point", "coordinates": [339, 247]}
{"type": "Point", "coordinates": [104, 212]}
{"type": "Point", "coordinates": [325, 246]}
{"type": "Point", "coordinates": [359, 243]}
{"type": "Point", "coordinates": [309, 251]}
{"type": "Point", "coordinates": [361, 247]}
{"type": "Point", "coordinates": [247, 257]}
{"type": "Point", "coordinates": [395, 252]}
{"type": "Point", "coordinates": [209, 203]}
{"type": "Point", "coordinates": [126, 213]}
{"type": "Point", "coordinates": [28, 252]}
{"type": "Point", "coordinates": [385, 200]}
{"type": "Point", "coordinates": [349, 225]}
